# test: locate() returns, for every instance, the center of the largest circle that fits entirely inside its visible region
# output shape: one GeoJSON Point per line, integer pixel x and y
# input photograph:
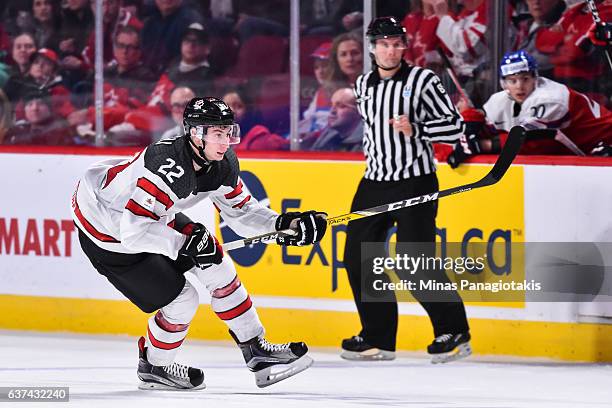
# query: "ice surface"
{"type": "Point", "coordinates": [101, 372]}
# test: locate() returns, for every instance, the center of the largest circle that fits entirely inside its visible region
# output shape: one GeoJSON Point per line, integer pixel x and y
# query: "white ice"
{"type": "Point", "coordinates": [101, 372]}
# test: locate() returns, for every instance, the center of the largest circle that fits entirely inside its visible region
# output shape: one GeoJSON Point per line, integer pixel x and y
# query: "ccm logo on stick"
{"type": "Point", "coordinates": [413, 201]}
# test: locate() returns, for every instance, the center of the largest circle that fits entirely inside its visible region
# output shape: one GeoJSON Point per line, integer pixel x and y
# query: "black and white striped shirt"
{"type": "Point", "coordinates": [412, 91]}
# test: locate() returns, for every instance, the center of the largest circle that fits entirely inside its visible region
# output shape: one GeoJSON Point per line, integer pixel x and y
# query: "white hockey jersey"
{"type": "Point", "coordinates": [554, 106]}
{"type": "Point", "coordinates": [130, 206]}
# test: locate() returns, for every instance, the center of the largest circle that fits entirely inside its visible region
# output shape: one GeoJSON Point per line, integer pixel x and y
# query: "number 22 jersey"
{"type": "Point", "coordinates": [130, 206]}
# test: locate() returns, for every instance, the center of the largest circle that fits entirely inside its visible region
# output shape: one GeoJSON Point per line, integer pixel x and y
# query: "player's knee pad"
{"type": "Point", "coordinates": [182, 309]}
{"type": "Point", "coordinates": [217, 276]}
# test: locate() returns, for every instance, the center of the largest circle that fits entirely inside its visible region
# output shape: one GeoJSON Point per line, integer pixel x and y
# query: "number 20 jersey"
{"type": "Point", "coordinates": [129, 206]}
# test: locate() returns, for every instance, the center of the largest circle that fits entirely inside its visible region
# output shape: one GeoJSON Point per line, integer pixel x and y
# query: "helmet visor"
{"type": "Point", "coordinates": [220, 134]}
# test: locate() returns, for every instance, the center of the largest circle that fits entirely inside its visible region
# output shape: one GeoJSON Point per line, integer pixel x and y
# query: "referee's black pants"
{"type": "Point", "coordinates": [414, 224]}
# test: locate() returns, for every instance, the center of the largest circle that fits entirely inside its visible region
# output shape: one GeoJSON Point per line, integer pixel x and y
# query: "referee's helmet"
{"type": "Point", "coordinates": [385, 27]}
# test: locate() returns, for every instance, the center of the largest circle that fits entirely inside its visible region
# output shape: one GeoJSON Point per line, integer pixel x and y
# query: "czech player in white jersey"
{"type": "Point", "coordinates": [535, 102]}
{"type": "Point", "coordinates": [131, 227]}
{"type": "Point", "coordinates": [559, 120]}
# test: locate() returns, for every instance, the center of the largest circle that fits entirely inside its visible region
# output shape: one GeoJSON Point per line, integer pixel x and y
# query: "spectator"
{"type": "Point", "coordinates": [542, 14]}
{"type": "Point", "coordinates": [577, 62]}
{"type": "Point", "coordinates": [40, 126]}
{"type": "Point", "coordinates": [163, 33]}
{"type": "Point", "coordinates": [77, 23]}
{"type": "Point", "coordinates": [346, 60]}
{"type": "Point", "coordinates": [330, 17]}
{"type": "Point", "coordinates": [6, 115]}
{"type": "Point", "coordinates": [269, 17]}
{"type": "Point", "coordinates": [127, 83]}
{"type": "Point", "coordinates": [244, 113]}
{"type": "Point", "coordinates": [254, 136]}
{"type": "Point", "coordinates": [179, 98]}
{"type": "Point", "coordinates": [464, 36]}
{"type": "Point", "coordinates": [24, 46]}
{"type": "Point", "coordinates": [46, 23]}
{"type": "Point", "coordinates": [315, 116]}
{"type": "Point", "coordinates": [113, 17]}
{"type": "Point", "coordinates": [421, 39]}
{"type": "Point", "coordinates": [464, 40]}
{"type": "Point", "coordinates": [43, 76]}
{"type": "Point", "coordinates": [344, 131]}
{"type": "Point", "coordinates": [17, 16]}
{"type": "Point", "coordinates": [192, 71]}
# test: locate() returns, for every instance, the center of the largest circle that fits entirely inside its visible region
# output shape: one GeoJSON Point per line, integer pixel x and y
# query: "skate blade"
{"type": "Point", "coordinates": [266, 377]}
{"type": "Point", "coordinates": [149, 386]}
{"type": "Point", "coordinates": [372, 354]}
{"type": "Point", "coordinates": [461, 351]}
{"type": "Point", "coordinates": [155, 384]}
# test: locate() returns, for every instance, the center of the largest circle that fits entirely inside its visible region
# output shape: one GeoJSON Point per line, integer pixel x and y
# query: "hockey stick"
{"type": "Point", "coordinates": [507, 155]}
{"type": "Point", "coordinates": [555, 134]}
{"type": "Point", "coordinates": [597, 20]}
{"type": "Point", "coordinates": [451, 72]}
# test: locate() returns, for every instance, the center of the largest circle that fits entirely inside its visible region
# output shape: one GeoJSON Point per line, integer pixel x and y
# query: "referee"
{"type": "Point", "coordinates": [404, 108]}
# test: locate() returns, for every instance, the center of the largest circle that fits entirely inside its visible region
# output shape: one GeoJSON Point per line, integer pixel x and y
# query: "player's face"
{"type": "Point", "coordinates": [520, 86]}
{"type": "Point", "coordinates": [350, 58]}
{"type": "Point", "coordinates": [388, 52]}
{"type": "Point", "coordinates": [213, 150]}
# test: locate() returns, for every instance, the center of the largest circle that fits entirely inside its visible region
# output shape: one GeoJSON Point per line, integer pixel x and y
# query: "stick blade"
{"type": "Point", "coordinates": [508, 153]}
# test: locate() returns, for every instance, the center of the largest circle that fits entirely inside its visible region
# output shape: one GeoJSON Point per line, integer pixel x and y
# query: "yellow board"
{"type": "Point", "coordinates": [563, 341]}
{"type": "Point", "coordinates": [481, 215]}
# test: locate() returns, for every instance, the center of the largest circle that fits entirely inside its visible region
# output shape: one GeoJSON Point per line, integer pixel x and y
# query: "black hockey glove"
{"type": "Point", "coordinates": [310, 227]}
{"type": "Point", "coordinates": [466, 146]}
{"type": "Point", "coordinates": [202, 248]}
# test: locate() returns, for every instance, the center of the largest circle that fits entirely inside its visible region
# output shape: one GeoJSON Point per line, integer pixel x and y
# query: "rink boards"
{"type": "Point", "coordinates": [47, 284]}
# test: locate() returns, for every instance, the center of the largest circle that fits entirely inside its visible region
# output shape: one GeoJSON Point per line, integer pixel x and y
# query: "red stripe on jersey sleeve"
{"type": "Point", "coordinates": [236, 311]}
{"type": "Point", "coordinates": [113, 171]}
{"type": "Point", "coordinates": [161, 344]}
{"type": "Point", "coordinates": [235, 192]}
{"type": "Point", "coordinates": [137, 209]}
{"type": "Point", "coordinates": [90, 228]}
{"type": "Point", "coordinates": [155, 191]}
{"type": "Point", "coordinates": [242, 203]}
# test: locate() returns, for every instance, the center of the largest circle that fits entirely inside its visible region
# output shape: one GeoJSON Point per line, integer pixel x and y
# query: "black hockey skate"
{"type": "Point", "coordinates": [357, 349]}
{"type": "Point", "coordinates": [271, 362]}
{"type": "Point", "coordinates": [172, 377]}
{"type": "Point", "coordinates": [450, 347]}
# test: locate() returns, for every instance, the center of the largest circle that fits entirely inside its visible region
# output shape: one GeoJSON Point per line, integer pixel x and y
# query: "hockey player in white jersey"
{"type": "Point", "coordinates": [131, 227]}
{"type": "Point", "coordinates": [574, 123]}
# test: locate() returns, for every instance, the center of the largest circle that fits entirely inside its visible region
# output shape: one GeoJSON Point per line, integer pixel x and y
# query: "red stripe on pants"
{"type": "Point", "coordinates": [236, 311]}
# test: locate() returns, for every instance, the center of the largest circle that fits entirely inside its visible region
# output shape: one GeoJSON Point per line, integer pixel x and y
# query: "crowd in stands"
{"type": "Point", "coordinates": [157, 54]}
